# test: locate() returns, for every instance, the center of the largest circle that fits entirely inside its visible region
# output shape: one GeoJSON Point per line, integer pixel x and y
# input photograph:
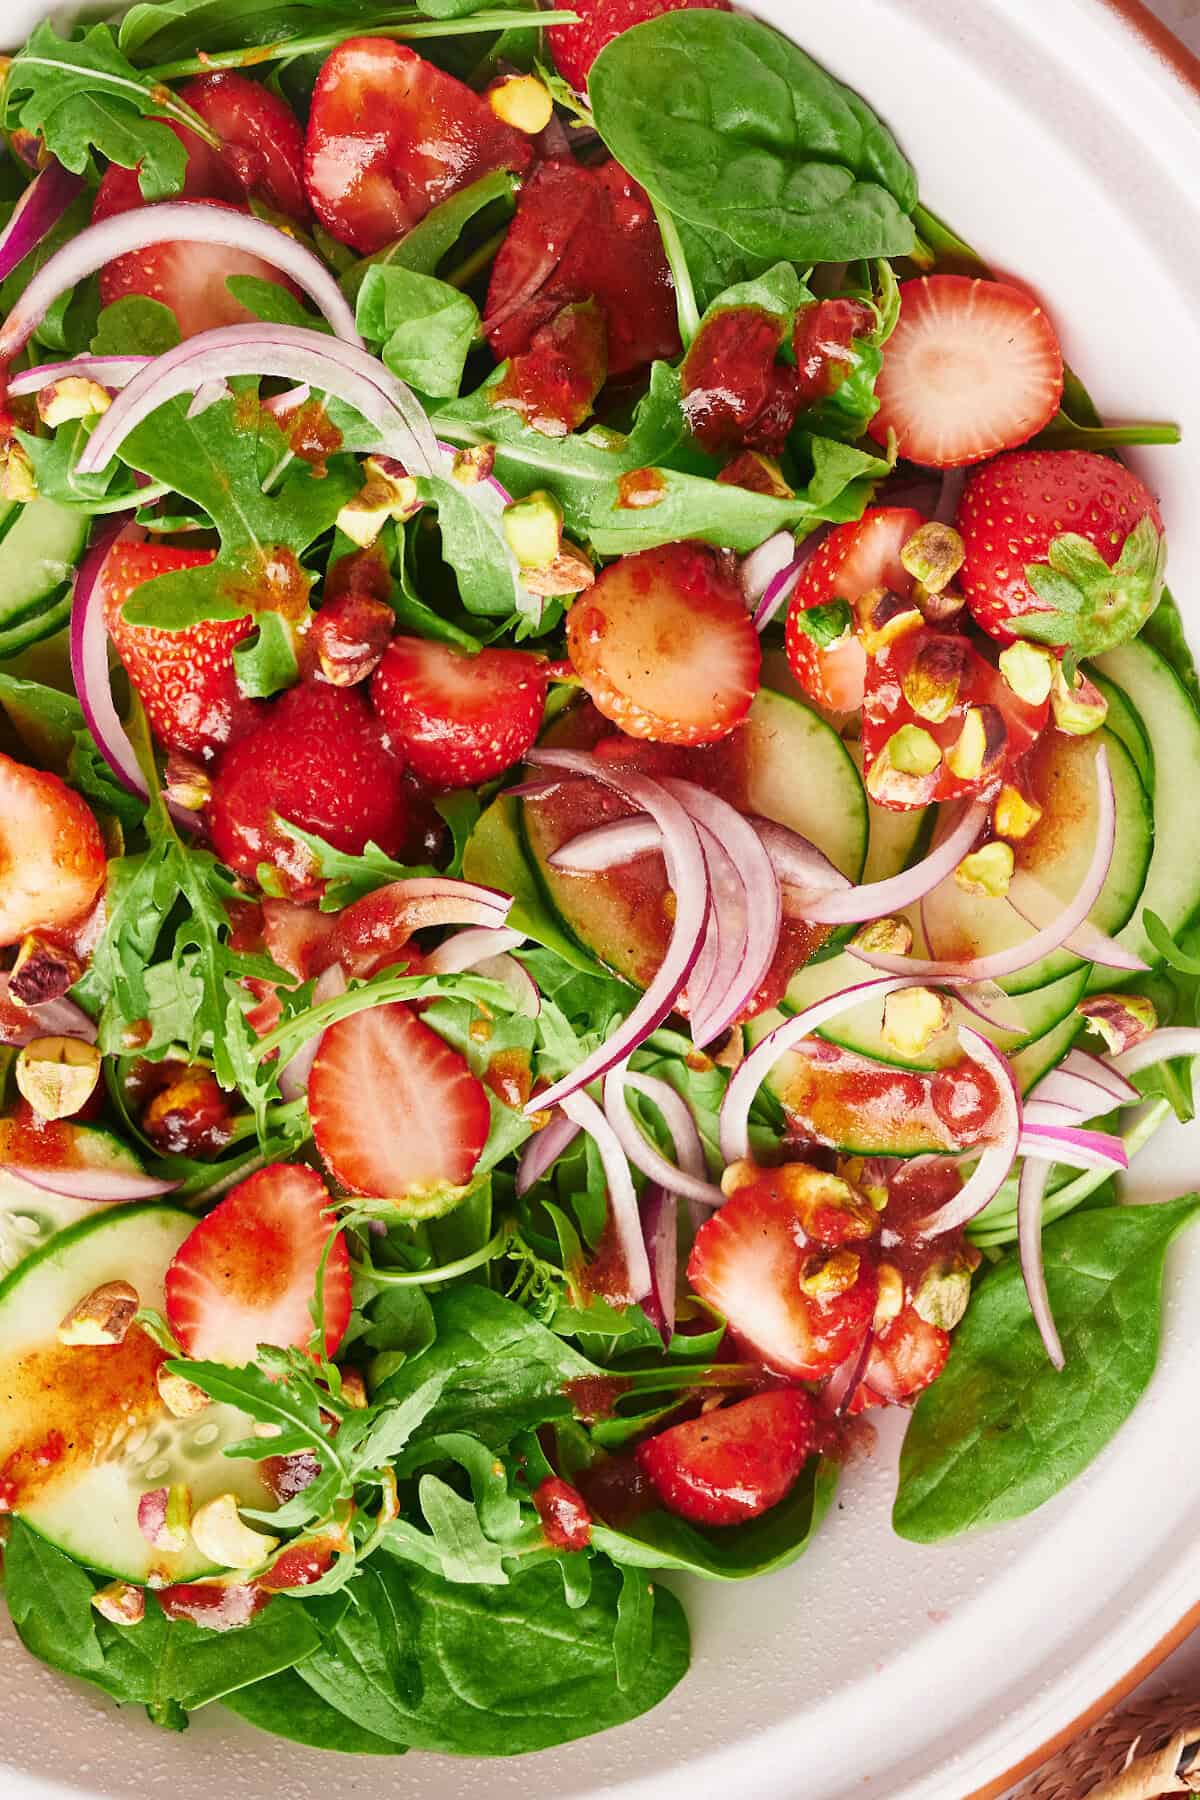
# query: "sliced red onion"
{"type": "Point", "coordinates": [688, 1178]}
{"type": "Point", "coordinates": [659, 1212]}
{"type": "Point", "coordinates": [622, 1196]}
{"type": "Point", "coordinates": [1095, 1069]}
{"type": "Point", "coordinates": [1038, 906]}
{"type": "Point", "coordinates": [543, 1150]}
{"type": "Point", "coordinates": [750, 917]}
{"type": "Point", "coordinates": [846, 1379]}
{"type": "Point", "coordinates": [467, 949]}
{"type": "Point", "coordinates": [949, 496]}
{"type": "Point", "coordinates": [109, 371]}
{"type": "Point", "coordinates": [1160, 1046]}
{"type": "Point", "coordinates": [1070, 1144]}
{"type": "Point", "coordinates": [291, 352]}
{"type": "Point", "coordinates": [1079, 1094]}
{"type": "Point", "coordinates": [279, 405]}
{"type": "Point", "coordinates": [293, 1077]}
{"type": "Point", "coordinates": [779, 591]}
{"type": "Point", "coordinates": [516, 978]}
{"type": "Point", "coordinates": [101, 1185]}
{"type": "Point", "coordinates": [36, 213]}
{"type": "Point", "coordinates": [686, 874]}
{"type": "Point", "coordinates": [991, 1004]}
{"type": "Point", "coordinates": [1030, 1193]}
{"type": "Point", "coordinates": [1021, 956]}
{"type": "Point", "coordinates": [205, 396]}
{"type": "Point", "coordinates": [803, 869]}
{"type": "Point", "coordinates": [173, 221]}
{"type": "Point", "coordinates": [749, 1077]}
{"type": "Point", "coordinates": [422, 902]}
{"type": "Point", "coordinates": [879, 898]}
{"type": "Point", "coordinates": [604, 846]}
{"type": "Point", "coordinates": [1052, 1112]}
{"type": "Point", "coordinates": [761, 566]}
{"type": "Point", "coordinates": [992, 1169]}
{"type": "Point", "coordinates": [48, 1018]}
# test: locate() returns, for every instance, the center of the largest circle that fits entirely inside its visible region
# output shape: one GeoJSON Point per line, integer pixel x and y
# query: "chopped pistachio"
{"type": "Point", "coordinates": [738, 1175]}
{"type": "Point", "coordinates": [912, 1018]}
{"type": "Point", "coordinates": [987, 871]}
{"type": "Point", "coordinates": [43, 971]}
{"type": "Point", "coordinates": [521, 101]}
{"type": "Point", "coordinates": [473, 464]}
{"type": "Point", "coordinates": [827, 1206]}
{"type": "Point", "coordinates": [387, 493]}
{"type": "Point", "coordinates": [354, 1389]}
{"type": "Point", "coordinates": [181, 1397]}
{"type": "Point", "coordinates": [1028, 670]}
{"type": "Point", "coordinates": [58, 1075]}
{"type": "Point", "coordinates": [884, 937]}
{"type": "Point", "coordinates": [829, 1273]}
{"type": "Point", "coordinates": [533, 529]}
{"type": "Point", "coordinates": [980, 743]}
{"type": "Point", "coordinates": [883, 617]}
{"type": "Point", "coordinates": [220, 1534]}
{"type": "Point", "coordinates": [1122, 1020]}
{"type": "Point", "coordinates": [889, 1298]}
{"type": "Point", "coordinates": [1079, 708]}
{"type": "Point", "coordinates": [933, 678]}
{"type": "Point", "coordinates": [889, 786]}
{"type": "Point", "coordinates": [74, 397]}
{"type": "Point", "coordinates": [939, 609]}
{"type": "Point", "coordinates": [569, 573]}
{"type": "Point", "coordinates": [186, 782]}
{"type": "Point", "coordinates": [933, 555]}
{"type": "Point", "coordinates": [913, 751]}
{"type": "Point", "coordinates": [101, 1317]}
{"type": "Point", "coordinates": [17, 479]}
{"type": "Point", "coordinates": [943, 1292]}
{"type": "Point", "coordinates": [164, 1517]}
{"type": "Point", "coordinates": [120, 1603]}
{"type": "Point", "coordinates": [1016, 814]}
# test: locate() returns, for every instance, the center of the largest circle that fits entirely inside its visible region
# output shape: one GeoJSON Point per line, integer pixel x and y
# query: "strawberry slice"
{"type": "Point", "coordinates": [458, 719]}
{"type": "Point", "coordinates": [51, 853]}
{"type": "Point", "coordinates": [732, 1463]}
{"type": "Point", "coordinates": [207, 176]}
{"type": "Point", "coordinates": [665, 647]}
{"type": "Point", "coordinates": [317, 758]}
{"type": "Point", "coordinates": [296, 937]}
{"type": "Point", "coordinates": [247, 1273]}
{"type": "Point", "coordinates": [263, 150]}
{"type": "Point", "coordinates": [185, 679]}
{"type": "Point", "coordinates": [576, 47]}
{"type": "Point", "coordinates": [906, 1356]}
{"type": "Point", "coordinates": [973, 367]}
{"type": "Point", "coordinates": [854, 560]}
{"type": "Point", "coordinates": [748, 1261]}
{"type": "Point", "coordinates": [190, 279]}
{"type": "Point", "coordinates": [390, 135]}
{"type": "Point", "coordinates": [395, 1110]}
{"type": "Point", "coordinates": [584, 233]}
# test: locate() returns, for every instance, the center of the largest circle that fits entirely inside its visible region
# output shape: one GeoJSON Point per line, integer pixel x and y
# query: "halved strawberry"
{"type": "Point", "coordinates": [263, 145]}
{"type": "Point", "coordinates": [247, 1273]}
{"type": "Point", "coordinates": [972, 367]}
{"type": "Point", "coordinates": [395, 1110]}
{"type": "Point", "coordinates": [734, 1462]}
{"type": "Point", "coordinates": [317, 758]}
{"type": "Point", "coordinates": [584, 233]}
{"type": "Point", "coordinates": [1013, 514]}
{"type": "Point", "coordinates": [458, 719]}
{"type": "Point", "coordinates": [906, 1356]}
{"type": "Point", "coordinates": [390, 135]}
{"type": "Point", "coordinates": [51, 852]}
{"type": "Point", "coordinates": [190, 278]}
{"type": "Point", "coordinates": [576, 47]}
{"type": "Point", "coordinates": [185, 679]}
{"type": "Point", "coordinates": [854, 560]}
{"type": "Point", "coordinates": [665, 647]}
{"type": "Point", "coordinates": [748, 1261]}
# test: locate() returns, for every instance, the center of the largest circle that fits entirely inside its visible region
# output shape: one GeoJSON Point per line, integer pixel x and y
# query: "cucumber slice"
{"type": "Point", "coordinates": [38, 554]}
{"type": "Point", "coordinates": [114, 1438]}
{"type": "Point", "coordinates": [1172, 886]}
{"type": "Point", "coordinates": [1045, 1053]}
{"type": "Point", "coordinates": [1125, 722]}
{"type": "Point", "coordinates": [1057, 851]}
{"type": "Point", "coordinates": [894, 839]}
{"type": "Point", "coordinates": [30, 1217]}
{"type": "Point", "coordinates": [784, 763]}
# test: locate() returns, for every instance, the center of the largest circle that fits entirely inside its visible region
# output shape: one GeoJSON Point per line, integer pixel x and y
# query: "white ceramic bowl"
{"type": "Point", "coordinates": [1055, 138]}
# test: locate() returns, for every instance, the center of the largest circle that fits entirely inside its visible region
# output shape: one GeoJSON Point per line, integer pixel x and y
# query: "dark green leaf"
{"type": "Point", "coordinates": [266, 660]}
{"type": "Point", "coordinates": [424, 247]}
{"type": "Point", "coordinates": [288, 1707]}
{"type": "Point", "coordinates": [135, 326]}
{"type": "Point", "coordinates": [424, 329]}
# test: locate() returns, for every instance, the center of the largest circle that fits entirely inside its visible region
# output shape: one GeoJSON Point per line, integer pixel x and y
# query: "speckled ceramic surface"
{"type": "Point", "coordinates": [1050, 136]}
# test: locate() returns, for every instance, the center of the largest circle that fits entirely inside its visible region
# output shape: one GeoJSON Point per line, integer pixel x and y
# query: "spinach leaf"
{"type": "Point", "coordinates": [731, 126]}
{"type": "Point", "coordinates": [369, 1665]}
{"type": "Point", "coordinates": [290, 1708]}
{"type": "Point", "coordinates": [50, 1601]}
{"type": "Point", "coordinates": [660, 1540]}
{"type": "Point", "coordinates": [714, 261]}
{"type": "Point", "coordinates": [135, 326]}
{"type": "Point", "coordinates": [423, 248]}
{"type": "Point", "coordinates": [424, 327]}
{"type": "Point", "coordinates": [82, 95]}
{"type": "Point", "coordinates": [1164, 632]}
{"type": "Point", "coordinates": [1002, 1431]}
{"type": "Point", "coordinates": [504, 1670]}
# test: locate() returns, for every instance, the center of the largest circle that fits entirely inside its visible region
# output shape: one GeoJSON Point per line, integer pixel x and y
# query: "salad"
{"type": "Point", "coordinates": [596, 857]}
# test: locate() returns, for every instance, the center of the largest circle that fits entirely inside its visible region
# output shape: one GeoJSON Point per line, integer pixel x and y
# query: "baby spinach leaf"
{"type": "Point", "coordinates": [163, 1661]}
{"type": "Point", "coordinates": [369, 1666]}
{"type": "Point", "coordinates": [733, 127]}
{"type": "Point", "coordinates": [290, 1708]}
{"type": "Point", "coordinates": [50, 1601]}
{"type": "Point", "coordinates": [1002, 1431]}
{"type": "Point", "coordinates": [135, 326]}
{"type": "Point", "coordinates": [424, 327]}
{"type": "Point", "coordinates": [82, 95]}
{"type": "Point", "coordinates": [660, 1540]}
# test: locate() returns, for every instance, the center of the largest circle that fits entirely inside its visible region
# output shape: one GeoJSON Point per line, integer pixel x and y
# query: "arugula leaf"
{"type": "Point", "coordinates": [1002, 1430]}
{"type": "Point", "coordinates": [424, 327]}
{"type": "Point", "coordinates": [220, 459]}
{"type": "Point", "coordinates": [734, 128]}
{"type": "Point", "coordinates": [349, 876]}
{"type": "Point", "coordinates": [82, 95]}
{"type": "Point", "coordinates": [266, 661]}
{"type": "Point", "coordinates": [135, 326]}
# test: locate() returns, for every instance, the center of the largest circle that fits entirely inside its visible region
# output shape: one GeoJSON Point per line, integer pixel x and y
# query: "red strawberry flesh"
{"type": "Point", "coordinates": [734, 1462]}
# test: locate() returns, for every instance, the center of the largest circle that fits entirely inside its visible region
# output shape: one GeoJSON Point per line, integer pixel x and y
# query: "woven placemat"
{"type": "Point", "coordinates": [1142, 1751]}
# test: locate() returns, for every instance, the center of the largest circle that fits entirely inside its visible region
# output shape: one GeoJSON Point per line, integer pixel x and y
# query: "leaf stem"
{"type": "Point", "coordinates": [162, 102]}
{"type": "Point", "coordinates": [685, 293]}
{"type": "Point", "coordinates": [403, 24]}
{"type": "Point", "coordinates": [463, 1265]}
{"type": "Point", "coordinates": [667, 1378]}
{"type": "Point", "coordinates": [478, 260]}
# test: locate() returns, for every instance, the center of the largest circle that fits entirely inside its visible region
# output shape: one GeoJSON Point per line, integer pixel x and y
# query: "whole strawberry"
{"type": "Point", "coordinates": [317, 759]}
{"type": "Point", "coordinates": [1067, 542]}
